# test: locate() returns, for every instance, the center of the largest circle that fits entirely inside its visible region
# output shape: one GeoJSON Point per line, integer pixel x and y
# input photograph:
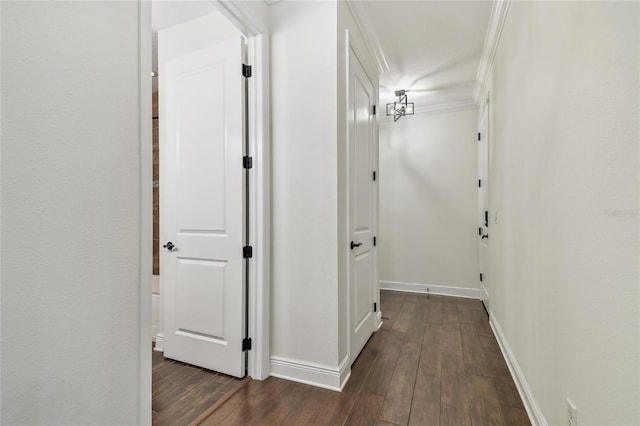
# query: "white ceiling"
{"type": "Point", "coordinates": [433, 48]}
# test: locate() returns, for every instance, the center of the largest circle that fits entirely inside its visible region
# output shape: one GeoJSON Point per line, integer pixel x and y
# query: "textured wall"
{"type": "Point", "coordinates": [304, 182]}
{"type": "Point", "coordinates": [70, 213]}
{"type": "Point", "coordinates": [564, 183]}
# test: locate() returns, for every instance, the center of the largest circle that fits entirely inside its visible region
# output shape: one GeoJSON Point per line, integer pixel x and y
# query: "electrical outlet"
{"type": "Point", "coordinates": [572, 414]}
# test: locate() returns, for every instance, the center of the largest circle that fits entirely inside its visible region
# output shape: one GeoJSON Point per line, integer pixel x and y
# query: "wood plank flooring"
{"type": "Point", "coordinates": [433, 362]}
{"type": "Point", "coordinates": [181, 392]}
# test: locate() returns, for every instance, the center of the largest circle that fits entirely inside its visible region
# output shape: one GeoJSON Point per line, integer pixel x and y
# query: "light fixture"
{"type": "Point", "coordinates": [401, 107]}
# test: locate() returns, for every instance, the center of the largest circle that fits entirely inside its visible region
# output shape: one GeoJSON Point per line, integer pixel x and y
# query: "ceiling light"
{"type": "Point", "coordinates": [401, 107]}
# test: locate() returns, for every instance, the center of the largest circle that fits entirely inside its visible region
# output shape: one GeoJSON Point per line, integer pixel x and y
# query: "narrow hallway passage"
{"type": "Point", "coordinates": [433, 362]}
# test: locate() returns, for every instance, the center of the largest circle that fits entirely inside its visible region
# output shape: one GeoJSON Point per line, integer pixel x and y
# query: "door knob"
{"type": "Point", "coordinates": [354, 245]}
{"type": "Point", "coordinates": [485, 236]}
{"type": "Point", "coordinates": [169, 246]}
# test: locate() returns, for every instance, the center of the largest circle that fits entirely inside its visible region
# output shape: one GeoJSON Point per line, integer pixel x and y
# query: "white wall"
{"type": "Point", "coordinates": [429, 202]}
{"type": "Point", "coordinates": [71, 213]}
{"type": "Point", "coordinates": [304, 184]}
{"type": "Point", "coordinates": [564, 183]}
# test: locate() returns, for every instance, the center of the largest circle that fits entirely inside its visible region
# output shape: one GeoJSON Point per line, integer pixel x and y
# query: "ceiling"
{"type": "Point", "coordinates": [432, 48]}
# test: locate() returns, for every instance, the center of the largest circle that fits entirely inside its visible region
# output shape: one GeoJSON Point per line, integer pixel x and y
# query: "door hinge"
{"type": "Point", "coordinates": [247, 252]}
{"type": "Point", "coordinates": [481, 277]}
{"type": "Point", "coordinates": [486, 219]}
{"type": "Point", "coordinates": [373, 110]}
{"type": "Point", "coordinates": [246, 344]}
{"type": "Point", "coordinates": [374, 175]}
{"type": "Point", "coordinates": [375, 307]}
{"type": "Point", "coordinates": [479, 183]}
{"type": "Point", "coordinates": [375, 241]}
{"type": "Point", "coordinates": [478, 136]}
{"type": "Point", "coordinates": [479, 231]}
{"type": "Point", "coordinates": [246, 70]}
{"type": "Point", "coordinates": [247, 162]}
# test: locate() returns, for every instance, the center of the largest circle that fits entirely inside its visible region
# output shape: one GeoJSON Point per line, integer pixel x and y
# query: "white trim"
{"type": "Point", "coordinates": [491, 41]}
{"type": "Point", "coordinates": [260, 196]}
{"type": "Point", "coordinates": [470, 293]}
{"type": "Point", "coordinates": [260, 268]}
{"type": "Point", "coordinates": [367, 30]}
{"type": "Point", "coordinates": [155, 306]}
{"type": "Point", "coordinates": [159, 346]}
{"type": "Point", "coordinates": [0, 239]}
{"type": "Point", "coordinates": [379, 321]}
{"type": "Point", "coordinates": [533, 409]}
{"type": "Point", "coordinates": [345, 370]}
{"type": "Point", "coordinates": [239, 18]}
{"type": "Point", "coordinates": [460, 105]}
{"type": "Point", "coordinates": [484, 293]}
{"type": "Point", "coordinates": [145, 142]}
{"type": "Point", "coordinates": [311, 373]}
{"type": "Point", "coordinates": [347, 186]}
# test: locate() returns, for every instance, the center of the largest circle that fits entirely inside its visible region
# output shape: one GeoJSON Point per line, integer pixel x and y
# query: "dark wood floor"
{"type": "Point", "coordinates": [433, 362]}
{"type": "Point", "coordinates": [181, 392]}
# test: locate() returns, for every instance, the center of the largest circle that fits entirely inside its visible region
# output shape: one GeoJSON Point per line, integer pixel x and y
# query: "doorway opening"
{"type": "Point", "coordinates": [181, 25]}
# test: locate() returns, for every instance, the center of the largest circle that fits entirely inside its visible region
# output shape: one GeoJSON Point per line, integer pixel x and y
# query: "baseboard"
{"type": "Point", "coordinates": [345, 371]}
{"type": "Point", "coordinates": [159, 346]}
{"type": "Point", "coordinates": [533, 409]}
{"type": "Point", "coordinates": [470, 293]}
{"type": "Point", "coordinates": [154, 332]}
{"type": "Point", "coordinates": [378, 320]}
{"type": "Point", "coordinates": [486, 293]}
{"type": "Point", "coordinates": [310, 373]}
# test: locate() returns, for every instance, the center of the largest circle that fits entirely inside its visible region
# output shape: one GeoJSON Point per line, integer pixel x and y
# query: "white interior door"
{"type": "Point", "coordinates": [361, 206]}
{"type": "Point", "coordinates": [202, 207]}
{"type": "Point", "coordinates": [483, 203]}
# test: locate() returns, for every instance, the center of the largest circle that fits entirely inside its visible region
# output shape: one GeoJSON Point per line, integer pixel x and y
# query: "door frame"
{"type": "Point", "coordinates": [483, 129]}
{"type": "Point", "coordinates": [352, 45]}
{"type": "Point", "coordinates": [259, 188]}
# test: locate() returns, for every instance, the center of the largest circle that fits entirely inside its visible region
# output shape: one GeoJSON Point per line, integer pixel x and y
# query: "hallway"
{"type": "Point", "coordinates": [434, 361]}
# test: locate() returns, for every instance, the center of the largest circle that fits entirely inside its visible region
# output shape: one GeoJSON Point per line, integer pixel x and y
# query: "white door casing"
{"type": "Point", "coordinates": [483, 203]}
{"type": "Point", "coordinates": [203, 207]}
{"type": "Point", "coordinates": [361, 153]}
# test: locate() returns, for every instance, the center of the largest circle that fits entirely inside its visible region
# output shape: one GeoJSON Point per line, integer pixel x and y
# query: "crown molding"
{"type": "Point", "coordinates": [491, 41]}
{"type": "Point", "coordinates": [369, 34]}
{"type": "Point", "coordinates": [449, 106]}
{"type": "Point", "coordinates": [241, 17]}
